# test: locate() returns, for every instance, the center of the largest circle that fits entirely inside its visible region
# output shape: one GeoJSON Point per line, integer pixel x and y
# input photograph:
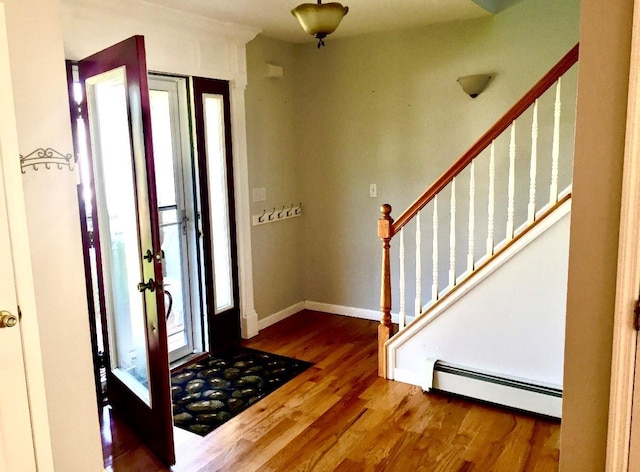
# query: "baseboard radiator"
{"type": "Point", "coordinates": [504, 391]}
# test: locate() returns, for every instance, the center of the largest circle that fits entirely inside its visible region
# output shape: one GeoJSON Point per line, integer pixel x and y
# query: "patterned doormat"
{"type": "Point", "coordinates": [214, 390]}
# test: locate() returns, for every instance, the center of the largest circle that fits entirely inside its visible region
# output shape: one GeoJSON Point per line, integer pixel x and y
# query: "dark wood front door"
{"type": "Point", "coordinates": [126, 233]}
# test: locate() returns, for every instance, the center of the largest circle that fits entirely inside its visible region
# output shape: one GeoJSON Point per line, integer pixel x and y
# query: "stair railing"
{"type": "Point", "coordinates": [487, 146]}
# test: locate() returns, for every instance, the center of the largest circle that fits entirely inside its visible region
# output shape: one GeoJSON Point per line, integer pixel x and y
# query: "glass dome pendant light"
{"type": "Point", "coordinates": [320, 19]}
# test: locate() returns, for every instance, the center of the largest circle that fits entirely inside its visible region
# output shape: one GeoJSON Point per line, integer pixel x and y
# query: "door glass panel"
{"type": "Point", "coordinates": [218, 201]}
{"type": "Point", "coordinates": [114, 179]}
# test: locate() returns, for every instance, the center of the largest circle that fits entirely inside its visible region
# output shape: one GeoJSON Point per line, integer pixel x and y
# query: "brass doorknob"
{"type": "Point", "coordinates": [7, 320]}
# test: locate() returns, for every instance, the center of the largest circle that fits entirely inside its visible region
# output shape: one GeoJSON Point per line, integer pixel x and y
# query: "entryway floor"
{"type": "Point", "coordinates": [339, 415]}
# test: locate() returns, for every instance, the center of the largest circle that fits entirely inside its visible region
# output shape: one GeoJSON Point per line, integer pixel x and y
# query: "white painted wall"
{"type": "Point", "coordinates": [185, 44]}
{"type": "Point", "coordinates": [510, 324]}
{"type": "Point", "coordinates": [177, 42]}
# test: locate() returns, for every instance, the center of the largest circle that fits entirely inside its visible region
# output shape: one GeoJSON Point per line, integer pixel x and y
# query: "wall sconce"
{"type": "Point", "coordinates": [474, 85]}
{"type": "Point", "coordinates": [319, 19]}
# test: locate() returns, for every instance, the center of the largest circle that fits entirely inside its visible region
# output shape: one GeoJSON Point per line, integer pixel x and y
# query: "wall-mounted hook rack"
{"type": "Point", "coordinates": [273, 215]}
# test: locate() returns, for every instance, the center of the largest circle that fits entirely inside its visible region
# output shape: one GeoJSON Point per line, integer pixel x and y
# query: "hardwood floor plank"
{"type": "Point", "coordinates": [339, 415]}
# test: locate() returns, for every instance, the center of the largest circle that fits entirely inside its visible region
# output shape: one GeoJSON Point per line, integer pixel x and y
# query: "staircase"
{"type": "Point", "coordinates": [486, 288]}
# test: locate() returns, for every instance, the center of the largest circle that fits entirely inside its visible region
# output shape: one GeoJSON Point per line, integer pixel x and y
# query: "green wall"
{"type": "Point", "coordinates": [277, 261]}
{"type": "Point", "coordinates": [383, 108]}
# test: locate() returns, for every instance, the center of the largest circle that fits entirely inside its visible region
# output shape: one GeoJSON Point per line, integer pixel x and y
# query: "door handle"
{"type": "Point", "coordinates": [150, 285]}
{"type": "Point", "coordinates": [148, 256]}
{"type": "Point", "coordinates": [7, 320]}
{"type": "Point", "coordinates": [170, 297]}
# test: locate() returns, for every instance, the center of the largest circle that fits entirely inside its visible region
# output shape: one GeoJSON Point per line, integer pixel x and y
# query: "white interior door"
{"type": "Point", "coordinates": [16, 443]}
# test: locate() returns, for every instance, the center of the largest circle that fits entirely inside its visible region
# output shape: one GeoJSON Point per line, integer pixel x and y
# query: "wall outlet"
{"type": "Point", "coordinates": [373, 190]}
{"type": "Point", "coordinates": [259, 194]}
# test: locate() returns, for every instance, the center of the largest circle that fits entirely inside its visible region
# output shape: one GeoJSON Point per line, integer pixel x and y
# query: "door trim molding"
{"type": "Point", "coordinates": [248, 315]}
{"type": "Point", "coordinates": [628, 277]}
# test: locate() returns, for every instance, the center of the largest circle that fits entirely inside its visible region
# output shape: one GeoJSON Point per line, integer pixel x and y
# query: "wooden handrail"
{"type": "Point", "coordinates": [387, 227]}
{"type": "Point", "coordinates": [502, 124]}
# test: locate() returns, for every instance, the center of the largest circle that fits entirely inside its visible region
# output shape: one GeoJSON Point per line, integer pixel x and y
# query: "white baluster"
{"type": "Point", "coordinates": [531, 215]}
{"type": "Point", "coordinates": [511, 191]}
{"type": "Point", "coordinates": [472, 217]}
{"type": "Point", "coordinates": [452, 236]}
{"type": "Point", "coordinates": [434, 253]}
{"type": "Point", "coordinates": [418, 301]}
{"type": "Point", "coordinates": [555, 154]}
{"type": "Point", "coordinates": [491, 206]}
{"type": "Point", "coordinates": [402, 316]}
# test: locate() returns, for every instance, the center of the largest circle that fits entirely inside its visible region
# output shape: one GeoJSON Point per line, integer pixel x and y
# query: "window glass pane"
{"type": "Point", "coordinates": [218, 201]}
{"type": "Point", "coordinates": [168, 216]}
{"type": "Point", "coordinates": [162, 147]}
{"type": "Point", "coordinates": [115, 190]}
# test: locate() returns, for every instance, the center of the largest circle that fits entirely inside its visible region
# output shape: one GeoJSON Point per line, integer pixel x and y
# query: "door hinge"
{"type": "Point", "coordinates": [184, 221]}
{"type": "Point", "coordinates": [78, 111]}
{"type": "Point", "coordinates": [90, 239]}
{"type": "Point", "coordinates": [102, 359]}
{"type": "Point", "coordinates": [636, 315]}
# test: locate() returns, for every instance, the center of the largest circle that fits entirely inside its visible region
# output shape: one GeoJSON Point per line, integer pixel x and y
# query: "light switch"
{"type": "Point", "coordinates": [259, 194]}
{"type": "Point", "coordinates": [373, 190]}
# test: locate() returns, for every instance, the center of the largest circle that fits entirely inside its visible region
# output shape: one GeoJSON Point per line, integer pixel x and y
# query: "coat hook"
{"type": "Point", "coordinates": [299, 209]}
{"type": "Point", "coordinates": [280, 212]}
{"type": "Point", "coordinates": [290, 210]}
{"type": "Point", "coordinates": [270, 217]}
{"type": "Point", "coordinates": [261, 217]}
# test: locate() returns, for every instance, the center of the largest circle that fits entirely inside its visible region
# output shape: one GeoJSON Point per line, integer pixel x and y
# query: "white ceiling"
{"type": "Point", "coordinates": [274, 19]}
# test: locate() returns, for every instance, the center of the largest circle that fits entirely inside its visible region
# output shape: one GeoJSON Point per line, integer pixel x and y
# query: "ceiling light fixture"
{"type": "Point", "coordinates": [320, 19]}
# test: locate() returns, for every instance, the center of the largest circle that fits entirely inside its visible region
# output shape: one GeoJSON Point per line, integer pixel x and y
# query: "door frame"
{"type": "Point", "coordinates": [25, 290]}
{"type": "Point", "coordinates": [625, 337]}
{"type": "Point", "coordinates": [217, 52]}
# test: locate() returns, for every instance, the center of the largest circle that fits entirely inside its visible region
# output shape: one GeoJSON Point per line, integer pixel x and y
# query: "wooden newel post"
{"type": "Point", "coordinates": [385, 328]}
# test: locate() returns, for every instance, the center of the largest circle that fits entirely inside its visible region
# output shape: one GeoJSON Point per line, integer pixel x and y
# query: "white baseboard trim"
{"type": "Point", "coordinates": [532, 400]}
{"type": "Point", "coordinates": [342, 310]}
{"type": "Point", "coordinates": [281, 315]}
{"type": "Point", "coordinates": [362, 313]}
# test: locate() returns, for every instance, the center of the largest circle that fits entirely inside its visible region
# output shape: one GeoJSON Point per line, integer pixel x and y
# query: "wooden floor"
{"type": "Point", "coordinates": [339, 416]}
